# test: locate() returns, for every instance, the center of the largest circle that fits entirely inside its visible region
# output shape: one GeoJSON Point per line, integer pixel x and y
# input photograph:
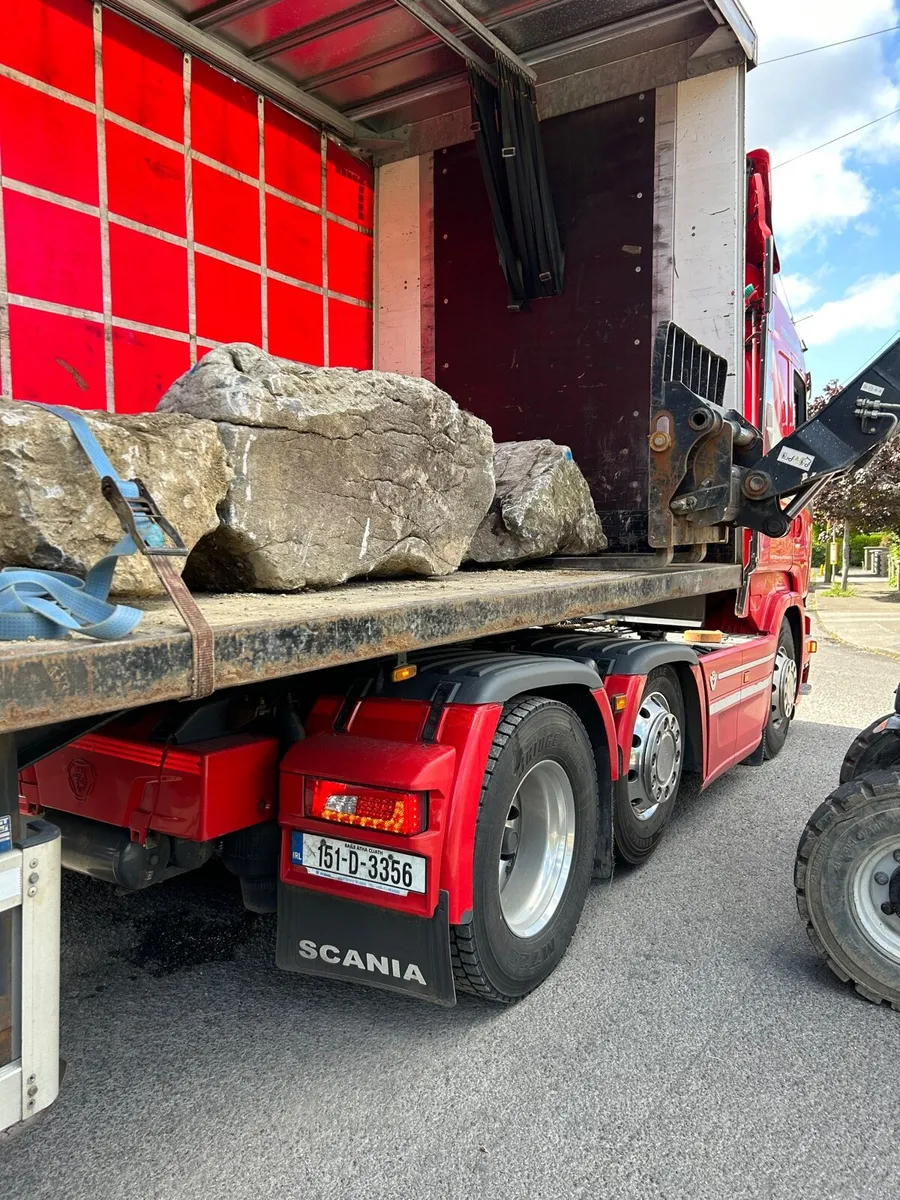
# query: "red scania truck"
{"type": "Point", "coordinates": [420, 778]}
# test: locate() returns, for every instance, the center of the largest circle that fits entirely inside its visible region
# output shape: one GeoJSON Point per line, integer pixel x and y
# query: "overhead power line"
{"type": "Point", "coordinates": [829, 46]}
{"type": "Point", "coordinates": [840, 137]}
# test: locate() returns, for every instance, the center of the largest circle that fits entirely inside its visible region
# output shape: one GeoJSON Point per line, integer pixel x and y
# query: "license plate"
{"type": "Point", "coordinates": [351, 862]}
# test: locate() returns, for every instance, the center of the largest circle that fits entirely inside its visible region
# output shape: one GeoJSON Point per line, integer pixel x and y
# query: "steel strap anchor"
{"type": "Point", "coordinates": [140, 515]}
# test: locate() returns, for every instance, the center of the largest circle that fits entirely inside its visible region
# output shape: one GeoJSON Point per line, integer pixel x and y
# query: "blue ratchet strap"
{"type": "Point", "coordinates": [51, 604]}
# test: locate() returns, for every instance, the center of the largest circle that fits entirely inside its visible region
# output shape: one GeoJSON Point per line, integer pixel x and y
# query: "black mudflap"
{"type": "Point", "coordinates": [328, 935]}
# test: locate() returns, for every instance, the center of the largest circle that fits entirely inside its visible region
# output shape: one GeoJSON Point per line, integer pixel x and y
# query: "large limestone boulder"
{"type": "Point", "coordinates": [338, 473]}
{"type": "Point", "coordinates": [542, 506]}
{"type": "Point", "coordinates": [52, 512]}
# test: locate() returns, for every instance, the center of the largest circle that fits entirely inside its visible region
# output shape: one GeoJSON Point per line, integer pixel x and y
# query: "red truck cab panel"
{"type": "Point", "coordinates": [381, 746]}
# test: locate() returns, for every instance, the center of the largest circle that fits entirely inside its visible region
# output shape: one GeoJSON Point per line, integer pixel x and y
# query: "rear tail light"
{"type": "Point", "coordinates": [367, 808]}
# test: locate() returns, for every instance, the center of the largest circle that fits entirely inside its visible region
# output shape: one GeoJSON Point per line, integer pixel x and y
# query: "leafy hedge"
{"type": "Point", "coordinates": [858, 544]}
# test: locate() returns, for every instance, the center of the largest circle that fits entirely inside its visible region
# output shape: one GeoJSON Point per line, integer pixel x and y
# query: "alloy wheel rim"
{"type": "Point", "coordinates": [870, 886]}
{"type": "Point", "coordinates": [657, 757]}
{"type": "Point", "coordinates": [536, 849]}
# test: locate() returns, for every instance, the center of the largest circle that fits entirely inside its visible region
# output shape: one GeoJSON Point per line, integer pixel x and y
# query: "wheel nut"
{"type": "Point", "coordinates": [881, 879]}
{"type": "Point", "coordinates": [887, 908]}
{"type": "Point", "coordinates": [756, 484]}
{"type": "Point", "coordinates": [510, 843]}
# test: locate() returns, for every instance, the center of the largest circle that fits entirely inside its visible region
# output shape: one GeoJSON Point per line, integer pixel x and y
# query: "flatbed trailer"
{"type": "Point", "coordinates": [420, 777]}
{"type": "Point", "coordinates": [265, 637]}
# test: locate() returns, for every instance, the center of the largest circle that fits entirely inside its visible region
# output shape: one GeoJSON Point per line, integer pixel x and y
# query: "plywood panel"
{"type": "Point", "coordinates": [293, 240]}
{"type": "Point", "coordinates": [226, 213]}
{"type": "Point", "coordinates": [149, 279]}
{"type": "Point", "coordinates": [52, 252]}
{"type": "Point", "coordinates": [48, 143]}
{"type": "Point", "coordinates": [229, 302]}
{"type": "Point", "coordinates": [295, 323]}
{"type": "Point", "coordinates": [293, 156]}
{"type": "Point", "coordinates": [349, 261]}
{"type": "Point", "coordinates": [142, 77]}
{"type": "Point", "coordinates": [145, 198]}
{"type": "Point", "coordinates": [350, 187]}
{"type": "Point", "coordinates": [350, 334]}
{"type": "Point", "coordinates": [145, 181]}
{"type": "Point", "coordinates": [145, 366]}
{"type": "Point", "coordinates": [574, 368]}
{"type": "Point", "coordinates": [57, 359]}
{"type": "Point", "coordinates": [224, 123]}
{"type": "Point", "coordinates": [51, 42]}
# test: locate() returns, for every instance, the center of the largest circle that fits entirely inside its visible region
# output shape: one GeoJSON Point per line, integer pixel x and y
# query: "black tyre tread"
{"type": "Point", "coordinates": [857, 793]}
{"type": "Point", "coordinates": [770, 746]}
{"type": "Point", "coordinates": [627, 853]}
{"type": "Point", "coordinates": [871, 750]}
{"type": "Point", "coordinates": [467, 971]}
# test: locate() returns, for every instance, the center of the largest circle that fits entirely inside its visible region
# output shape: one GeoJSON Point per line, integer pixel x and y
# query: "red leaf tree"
{"type": "Point", "coordinates": [866, 500]}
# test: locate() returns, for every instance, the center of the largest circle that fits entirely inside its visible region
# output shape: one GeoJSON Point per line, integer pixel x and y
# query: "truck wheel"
{"type": "Point", "coordinates": [784, 695]}
{"type": "Point", "coordinates": [535, 841]}
{"type": "Point", "coordinates": [644, 807]}
{"type": "Point", "coordinates": [847, 877]}
{"type": "Point", "coordinates": [875, 749]}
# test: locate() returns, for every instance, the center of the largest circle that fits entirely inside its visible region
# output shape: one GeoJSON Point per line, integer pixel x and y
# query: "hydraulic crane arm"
{"type": "Point", "coordinates": [841, 438]}
{"type": "Point", "coordinates": [707, 463]}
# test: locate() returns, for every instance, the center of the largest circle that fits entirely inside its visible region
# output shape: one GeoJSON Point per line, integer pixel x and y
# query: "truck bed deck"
{"type": "Point", "coordinates": [261, 637]}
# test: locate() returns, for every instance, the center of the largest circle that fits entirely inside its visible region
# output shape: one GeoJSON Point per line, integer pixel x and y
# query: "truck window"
{"type": "Point", "coordinates": [799, 399]}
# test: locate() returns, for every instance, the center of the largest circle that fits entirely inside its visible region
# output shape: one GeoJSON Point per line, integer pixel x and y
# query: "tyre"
{"type": "Point", "coordinates": [847, 877]}
{"type": "Point", "coordinates": [784, 695]}
{"type": "Point", "coordinates": [875, 749]}
{"type": "Point", "coordinates": [644, 807]}
{"type": "Point", "coordinates": [535, 841]}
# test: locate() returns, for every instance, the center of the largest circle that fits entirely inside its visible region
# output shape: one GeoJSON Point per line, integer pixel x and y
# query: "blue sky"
{"type": "Point", "coordinates": [836, 212]}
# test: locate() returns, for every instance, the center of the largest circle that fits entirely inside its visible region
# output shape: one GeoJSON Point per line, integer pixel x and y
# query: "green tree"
{"type": "Point", "coordinates": [867, 499]}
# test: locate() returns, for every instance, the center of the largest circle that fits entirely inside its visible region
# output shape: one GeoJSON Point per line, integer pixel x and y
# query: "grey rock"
{"type": "Point", "coordinates": [52, 513]}
{"type": "Point", "coordinates": [338, 473]}
{"type": "Point", "coordinates": [542, 506]}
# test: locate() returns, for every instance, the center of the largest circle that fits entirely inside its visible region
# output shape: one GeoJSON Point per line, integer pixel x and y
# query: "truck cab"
{"type": "Point", "coordinates": [777, 383]}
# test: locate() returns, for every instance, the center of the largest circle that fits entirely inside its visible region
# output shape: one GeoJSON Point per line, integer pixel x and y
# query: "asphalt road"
{"type": "Point", "coordinates": [690, 1045]}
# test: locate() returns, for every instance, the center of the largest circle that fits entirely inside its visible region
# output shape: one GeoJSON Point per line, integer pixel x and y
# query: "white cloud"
{"type": "Point", "coordinates": [800, 103]}
{"type": "Point", "coordinates": [870, 305]}
{"type": "Point", "coordinates": [816, 193]}
{"type": "Point", "coordinates": [799, 289]}
{"type": "Point", "coordinates": [801, 23]}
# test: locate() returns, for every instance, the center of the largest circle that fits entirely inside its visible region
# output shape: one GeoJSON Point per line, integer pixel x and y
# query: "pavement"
{"type": "Point", "coordinates": [868, 619]}
{"type": "Point", "coordinates": [691, 1045]}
